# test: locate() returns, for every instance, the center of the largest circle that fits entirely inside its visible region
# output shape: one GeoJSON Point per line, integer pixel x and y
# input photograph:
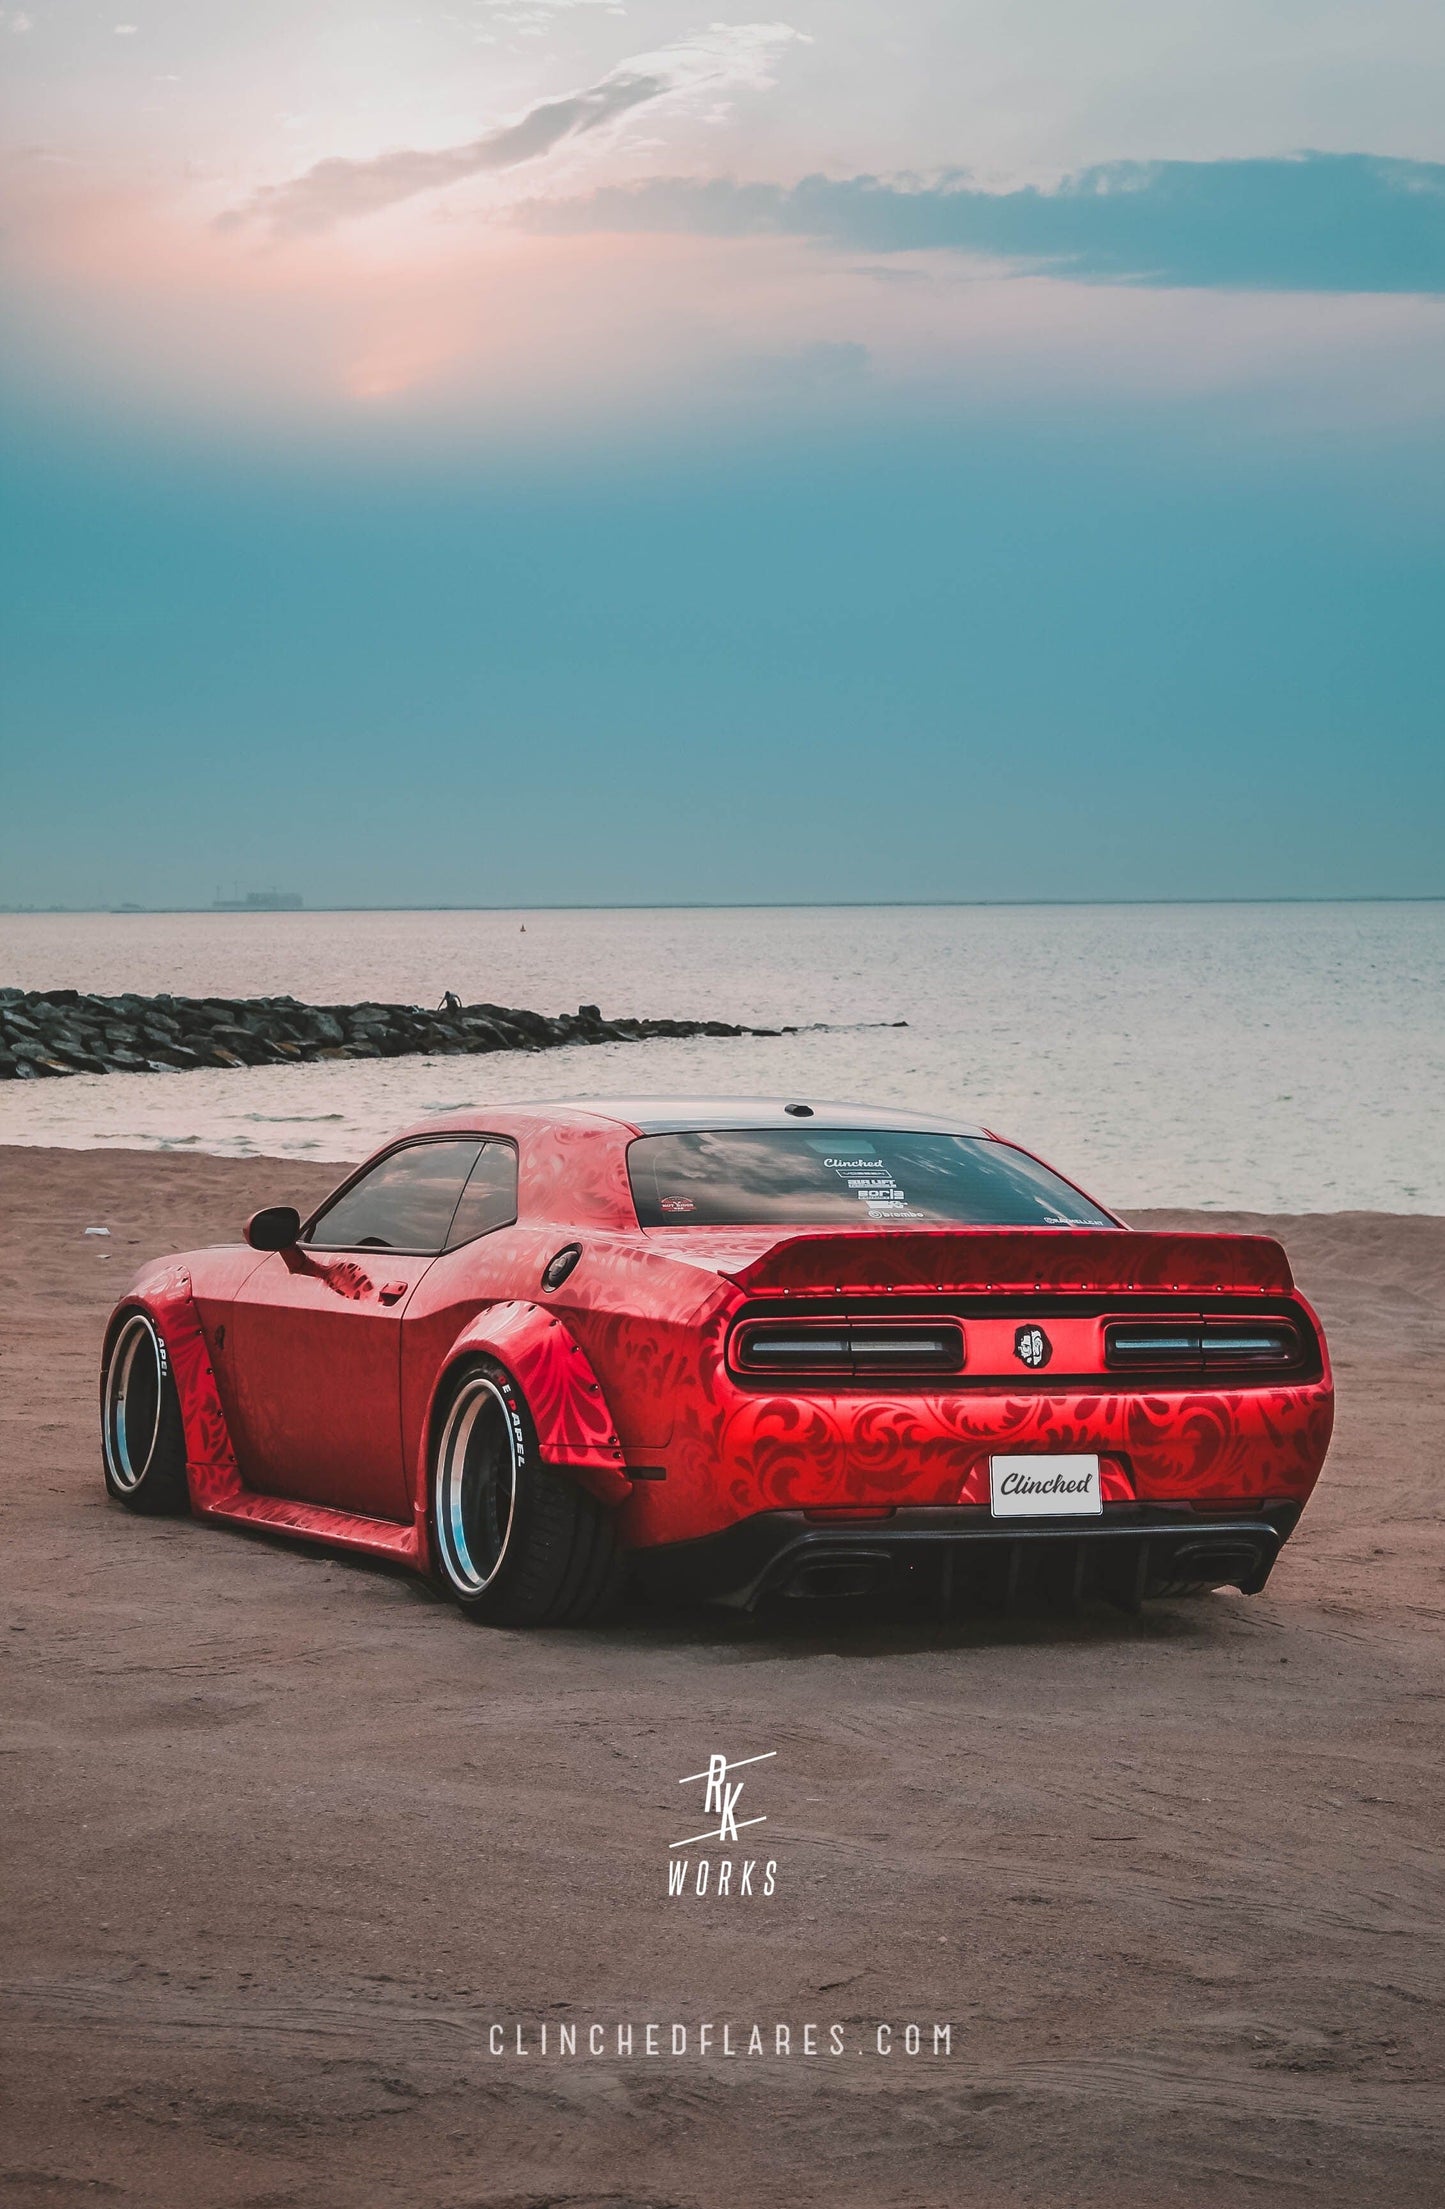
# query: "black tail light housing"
{"type": "Point", "coordinates": [848, 1349]}
{"type": "Point", "coordinates": [1266, 1345]}
{"type": "Point", "coordinates": [1152, 1346]}
{"type": "Point", "coordinates": [1238, 1343]}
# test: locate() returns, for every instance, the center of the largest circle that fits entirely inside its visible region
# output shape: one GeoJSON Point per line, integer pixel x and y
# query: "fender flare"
{"type": "Point", "coordinates": [575, 1432]}
{"type": "Point", "coordinates": [164, 1295]}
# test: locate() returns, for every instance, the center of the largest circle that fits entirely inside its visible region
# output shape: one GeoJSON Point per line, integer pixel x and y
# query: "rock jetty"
{"type": "Point", "coordinates": [62, 1031]}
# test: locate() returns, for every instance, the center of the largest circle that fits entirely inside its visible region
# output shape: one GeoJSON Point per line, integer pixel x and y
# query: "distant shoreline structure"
{"type": "Point", "coordinates": [259, 901]}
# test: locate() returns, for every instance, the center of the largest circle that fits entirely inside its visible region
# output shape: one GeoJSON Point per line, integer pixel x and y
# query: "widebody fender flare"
{"type": "Point", "coordinates": [164, 1294]}
{"type": "Point", "coordinates": [575, 1431]}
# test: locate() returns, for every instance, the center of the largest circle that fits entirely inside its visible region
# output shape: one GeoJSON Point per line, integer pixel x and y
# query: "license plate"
{"type": "Point", "coordinates": [1044, 1488]}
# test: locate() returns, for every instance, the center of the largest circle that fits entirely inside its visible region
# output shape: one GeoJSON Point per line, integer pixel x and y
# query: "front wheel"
{"type": "Point", "coordinates": [515, 1543]}
{"type": "Point", "coordinates": [143, 1447]}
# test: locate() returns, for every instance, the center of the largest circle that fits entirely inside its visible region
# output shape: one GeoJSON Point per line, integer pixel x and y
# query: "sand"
{"type": "Point", "coordinates": [285, 1838]}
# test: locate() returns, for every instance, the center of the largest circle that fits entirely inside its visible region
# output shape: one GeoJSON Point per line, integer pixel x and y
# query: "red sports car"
{"type": "Point", "coordinates": [730, 1349]}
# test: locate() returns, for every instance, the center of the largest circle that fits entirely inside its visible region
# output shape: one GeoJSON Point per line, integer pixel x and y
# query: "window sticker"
{"type": "Point", "coordinates": [864, 1173]}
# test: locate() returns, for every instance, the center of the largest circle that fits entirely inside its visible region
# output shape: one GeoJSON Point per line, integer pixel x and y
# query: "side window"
{"type": "Point", "coordinates": [490, 1197]}
{"type": "Point", "coordinates": [406, 1202]}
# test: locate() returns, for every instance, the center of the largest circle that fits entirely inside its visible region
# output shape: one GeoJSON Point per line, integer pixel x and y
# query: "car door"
{"type": "Point", "coordinates": [472, 1271]}
{"type": "Point", "coordinates": [316, 1335]}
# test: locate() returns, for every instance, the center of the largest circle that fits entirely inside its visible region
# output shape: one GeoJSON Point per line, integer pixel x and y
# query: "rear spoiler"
{"type": "Point", "coordinates": [928, 1260]}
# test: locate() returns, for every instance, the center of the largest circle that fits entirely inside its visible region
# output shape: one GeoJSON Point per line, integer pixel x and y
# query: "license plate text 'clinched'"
{"type": "Point", "coordinates": [1044, 1487]}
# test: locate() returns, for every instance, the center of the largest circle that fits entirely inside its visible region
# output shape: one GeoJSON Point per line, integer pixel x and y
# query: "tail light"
{"type": "Point", "coordinates": [1227, 1345]}
{"type": "Point", "coordinates": [1267, 1342]}
{"type": "Point", "coordinates": [856, 1349]}
{"type": "Point", "coordinates": [1141, 1346]}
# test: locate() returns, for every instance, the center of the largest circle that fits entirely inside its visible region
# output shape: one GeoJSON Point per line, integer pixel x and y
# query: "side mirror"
{"type": "Point", "coordinates": [277, 1228]}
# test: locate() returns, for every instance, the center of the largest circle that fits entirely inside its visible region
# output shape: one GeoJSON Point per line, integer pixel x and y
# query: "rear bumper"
{"type": "Point", "coordinates": [962, 1554]}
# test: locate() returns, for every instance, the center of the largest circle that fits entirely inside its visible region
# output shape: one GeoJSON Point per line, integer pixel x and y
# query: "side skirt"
{"type": "Point", "coordinates": [316, 1522]}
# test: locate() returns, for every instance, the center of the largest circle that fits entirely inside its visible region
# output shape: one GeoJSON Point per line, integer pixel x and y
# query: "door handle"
{"type": "Point", "coordinates": [391, 1292]}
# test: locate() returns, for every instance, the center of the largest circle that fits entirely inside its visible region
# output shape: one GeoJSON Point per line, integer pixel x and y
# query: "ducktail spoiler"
{"type": "Point", "coordinates": [930, 1259]}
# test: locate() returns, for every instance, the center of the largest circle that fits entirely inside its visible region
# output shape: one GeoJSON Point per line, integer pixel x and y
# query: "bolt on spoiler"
{"type": "Point", "coordinates": [930, 1259]}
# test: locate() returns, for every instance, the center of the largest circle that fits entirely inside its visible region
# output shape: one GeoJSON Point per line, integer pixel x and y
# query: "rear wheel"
{"type": "Point", "coordinates": [143, 1445]}
{"type": "Point", "coordinates": [515, 1543]}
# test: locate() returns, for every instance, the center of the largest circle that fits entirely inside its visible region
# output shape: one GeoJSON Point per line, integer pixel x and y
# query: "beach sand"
{"type": "Point", "coordinates": [285, 1836]}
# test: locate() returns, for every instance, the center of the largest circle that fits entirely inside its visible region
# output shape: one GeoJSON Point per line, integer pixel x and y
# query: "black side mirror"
{"type": "Point", "coordinates": [277, 1228]}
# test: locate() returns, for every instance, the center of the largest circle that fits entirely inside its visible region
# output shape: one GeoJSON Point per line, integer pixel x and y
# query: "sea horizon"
{"type": "Point", "coordinates": [735, 905]}
{"type": "Point", "coordinates": [1275, 1056]}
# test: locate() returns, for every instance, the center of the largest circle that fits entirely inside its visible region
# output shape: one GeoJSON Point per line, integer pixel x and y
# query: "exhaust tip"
{"type": "Point", "coordinates": [837, 1576]}
{"type": "Point", "coordinates": [1243, 1565]}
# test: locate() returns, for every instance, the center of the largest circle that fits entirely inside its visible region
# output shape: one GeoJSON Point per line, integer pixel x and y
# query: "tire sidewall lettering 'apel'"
{"type": "Point", "coordinates": [559, 1559]}
{"type": "Point", "coordinates": [157, 1483]}
{"type": "Point", "coordinates": [478, 1386]}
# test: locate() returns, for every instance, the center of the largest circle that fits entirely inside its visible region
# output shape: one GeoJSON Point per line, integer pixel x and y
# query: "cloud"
{"type": "Point", "coordinates": [1310, 222]}
{"type": "Point", "coordinates": [339, 190]}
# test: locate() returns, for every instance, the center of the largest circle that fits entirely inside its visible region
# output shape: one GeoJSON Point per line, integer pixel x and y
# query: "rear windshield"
{"type": "Point", "coordinates": [762, 1177]}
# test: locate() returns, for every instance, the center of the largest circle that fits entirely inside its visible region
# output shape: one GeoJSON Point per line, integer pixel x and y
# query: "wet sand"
{"type": "Point", "coordinates": [285, 1837]}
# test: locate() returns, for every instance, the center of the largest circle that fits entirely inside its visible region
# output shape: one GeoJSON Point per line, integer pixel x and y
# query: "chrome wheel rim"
{"type": "Point", "coordinates": [476, 1486]}
{"type": "Point", "coordinates": [133, 1402]}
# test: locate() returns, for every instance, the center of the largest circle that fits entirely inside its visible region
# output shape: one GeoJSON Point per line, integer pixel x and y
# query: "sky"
{"type": "Point", "coordinates": [529, 451]}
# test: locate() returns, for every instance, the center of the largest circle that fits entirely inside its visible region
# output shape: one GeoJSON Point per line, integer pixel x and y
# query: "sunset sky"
{"type": "Point", "coordinates": [566, 450]}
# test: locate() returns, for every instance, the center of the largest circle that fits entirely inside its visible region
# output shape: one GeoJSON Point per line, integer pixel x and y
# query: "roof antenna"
{"type": "Point", "coordinates": [799, 1111]}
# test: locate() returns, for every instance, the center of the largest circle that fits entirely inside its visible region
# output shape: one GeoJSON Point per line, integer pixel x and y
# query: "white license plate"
{"type": "Point", "coordinates": [1044, 1488]}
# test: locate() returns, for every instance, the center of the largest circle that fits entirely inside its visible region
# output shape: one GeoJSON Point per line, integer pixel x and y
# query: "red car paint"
{"type": "Point", "coordinates": [307, 1380]}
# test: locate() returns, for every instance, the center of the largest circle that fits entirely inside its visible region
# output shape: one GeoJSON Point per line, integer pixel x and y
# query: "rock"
{"type": "Point", "coordinates": [486, 1035]}
{"type": "Point", "coordinates": [59, 1032]}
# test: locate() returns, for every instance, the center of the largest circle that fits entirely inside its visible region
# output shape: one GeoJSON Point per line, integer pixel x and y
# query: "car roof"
{"type": "Point", "coordinates": [573, 1150]}
{"type": "Point", "coordinates": [683, 1115]}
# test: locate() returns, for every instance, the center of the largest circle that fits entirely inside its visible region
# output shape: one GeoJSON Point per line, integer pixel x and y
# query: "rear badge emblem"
{"type": "Point", "coordinates": [1033, 1347]}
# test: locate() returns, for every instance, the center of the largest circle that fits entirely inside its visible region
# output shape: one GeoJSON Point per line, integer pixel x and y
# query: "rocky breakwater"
{"type": "Point", "coordinates": [62, 1031]}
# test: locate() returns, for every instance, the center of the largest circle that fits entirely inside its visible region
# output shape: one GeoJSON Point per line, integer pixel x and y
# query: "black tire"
{"type": "Point", "coordinates": [142, 1443]}
{"type": "Point", "coordinates": [514, 1543]}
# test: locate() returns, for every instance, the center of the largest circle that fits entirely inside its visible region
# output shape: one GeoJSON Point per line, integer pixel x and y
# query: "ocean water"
{"type": "Point", "coordinates": [1278, 1057]}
